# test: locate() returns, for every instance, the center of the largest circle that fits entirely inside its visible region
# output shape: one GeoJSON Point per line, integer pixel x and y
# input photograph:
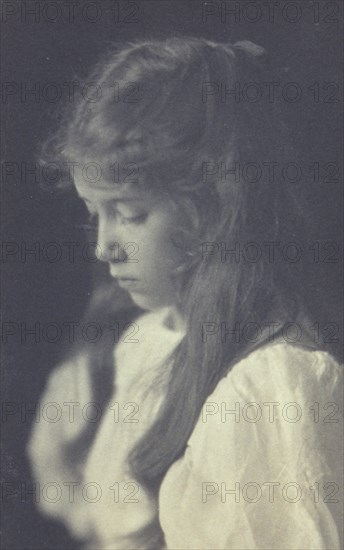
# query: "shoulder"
{"type": "Point", "coordinates": [280, 376]}
{"type": "Point", "coordinates": [279, 397]}
{"type": "Point", "coordinates": [273, 423]}
{"type": "Point", "coordinates": [275, 369]}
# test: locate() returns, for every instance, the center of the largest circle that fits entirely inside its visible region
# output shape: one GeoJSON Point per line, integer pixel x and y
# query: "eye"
{"type": "Point", "coordinates": [137, 220]}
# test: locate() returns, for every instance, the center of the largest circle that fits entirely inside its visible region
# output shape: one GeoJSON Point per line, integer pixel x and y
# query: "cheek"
{"type": "Point", "coordinates": [159, 252]}
{"type": "Point", "coordinates": [157, 246]}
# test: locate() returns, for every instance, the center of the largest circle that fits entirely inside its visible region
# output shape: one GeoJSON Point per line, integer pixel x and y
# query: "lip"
{"type": "Point", "coordinates": [127, 283]}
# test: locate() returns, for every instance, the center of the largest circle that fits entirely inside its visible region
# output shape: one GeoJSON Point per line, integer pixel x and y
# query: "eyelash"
{"type": "Point", "coordinates": [137, 220]}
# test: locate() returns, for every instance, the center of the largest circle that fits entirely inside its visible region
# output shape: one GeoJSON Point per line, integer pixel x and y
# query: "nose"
{"type": "Point", "coordinates": [110, 246]}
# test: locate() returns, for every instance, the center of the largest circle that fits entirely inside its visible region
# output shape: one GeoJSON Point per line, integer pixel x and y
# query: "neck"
{"type": "Point", "coordinates": [174, 319]}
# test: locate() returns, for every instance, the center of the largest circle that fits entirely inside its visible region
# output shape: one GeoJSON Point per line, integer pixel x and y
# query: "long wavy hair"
{"type": "Point", "coordinates": [170, 129]}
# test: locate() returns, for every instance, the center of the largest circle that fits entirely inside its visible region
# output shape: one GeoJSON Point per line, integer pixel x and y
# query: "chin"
{"type": "Point", "coordinates": [147, 302]}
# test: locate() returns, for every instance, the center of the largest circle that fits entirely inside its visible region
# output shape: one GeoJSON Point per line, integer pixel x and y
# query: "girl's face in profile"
{"type": "Point", "coordinates": [134, 237]}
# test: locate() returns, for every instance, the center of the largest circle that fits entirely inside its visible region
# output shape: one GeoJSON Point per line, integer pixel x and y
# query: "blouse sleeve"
{"type": "Point", "coordinates": [62, 419]}
{"type": "Point", "coordinates": [263, 467]}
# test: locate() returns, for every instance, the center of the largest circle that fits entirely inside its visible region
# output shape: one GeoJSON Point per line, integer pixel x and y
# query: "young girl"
{"type": "Point", "coordinates": [214, 422]}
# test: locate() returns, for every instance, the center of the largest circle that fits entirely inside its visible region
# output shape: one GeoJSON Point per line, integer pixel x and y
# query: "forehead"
{"type": "Point", "coordinates": [103, 191]}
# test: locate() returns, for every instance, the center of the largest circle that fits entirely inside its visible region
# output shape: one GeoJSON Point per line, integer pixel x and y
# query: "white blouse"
{"type": "Point", "coordinates": [262, 468]}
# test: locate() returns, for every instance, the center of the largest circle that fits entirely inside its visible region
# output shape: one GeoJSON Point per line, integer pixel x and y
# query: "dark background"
{"type": "Point", "coordinates": [43, 51]}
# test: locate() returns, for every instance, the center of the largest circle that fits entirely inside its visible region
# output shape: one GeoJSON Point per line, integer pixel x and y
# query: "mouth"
{"type": "Point", "coordinates": [128, 283]}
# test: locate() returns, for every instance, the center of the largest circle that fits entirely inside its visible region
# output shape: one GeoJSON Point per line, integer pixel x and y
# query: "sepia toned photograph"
{"type": "Point", "coordinates": [172, 275]}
